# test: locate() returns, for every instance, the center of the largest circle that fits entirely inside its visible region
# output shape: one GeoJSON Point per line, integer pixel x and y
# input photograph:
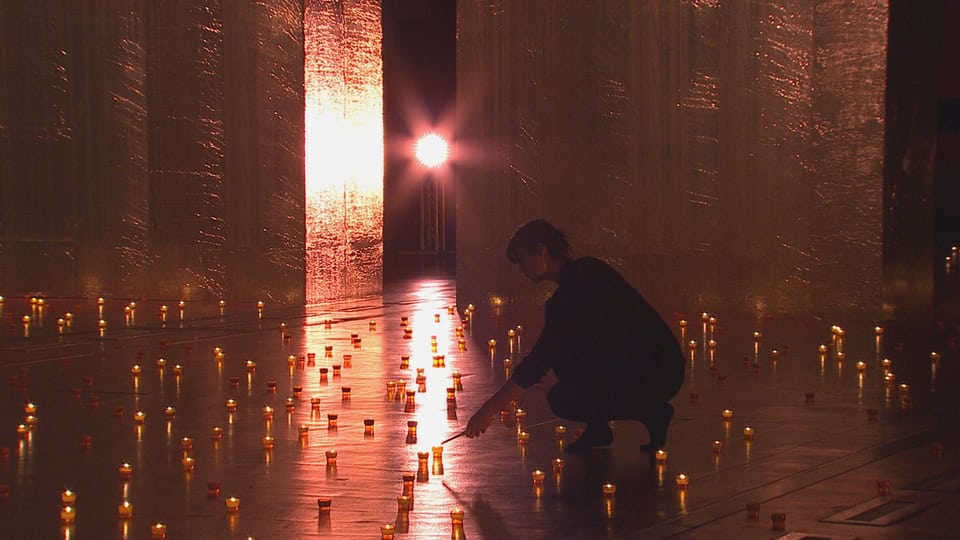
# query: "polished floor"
{"type": "Point", "coordinates": [829, 436]}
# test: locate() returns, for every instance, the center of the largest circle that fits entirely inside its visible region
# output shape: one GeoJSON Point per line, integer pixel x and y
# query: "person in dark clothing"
{"type": "Point", "coordinates": [614, 357]}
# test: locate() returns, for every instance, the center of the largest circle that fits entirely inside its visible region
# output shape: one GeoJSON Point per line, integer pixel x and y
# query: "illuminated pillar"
{"type": "Point", "coordinates": [344, 149]}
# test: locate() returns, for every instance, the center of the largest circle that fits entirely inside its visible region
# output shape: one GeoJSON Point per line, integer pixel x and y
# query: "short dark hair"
{"type": "Point", "coordinates": [537, 232]}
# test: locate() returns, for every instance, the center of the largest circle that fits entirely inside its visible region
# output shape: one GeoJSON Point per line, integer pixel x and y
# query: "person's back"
{"type": "Point", "coordinates": [612, 353]}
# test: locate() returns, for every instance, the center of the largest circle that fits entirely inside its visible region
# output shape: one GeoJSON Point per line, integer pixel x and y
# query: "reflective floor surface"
{"type": "Point", "coordinates": [828, 435]}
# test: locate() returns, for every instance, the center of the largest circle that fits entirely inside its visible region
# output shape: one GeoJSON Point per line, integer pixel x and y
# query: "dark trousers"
{"type": "Point", "coordinates": [583, 403]}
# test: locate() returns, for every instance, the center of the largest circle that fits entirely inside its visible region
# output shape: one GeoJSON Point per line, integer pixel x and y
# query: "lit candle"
{"type": "Point", "coordinates": [557, 465]}
{"type": "Point", "coordinates": [267, 442]}
{"type": "Point", "coordinates": [232, 504]}
{"type": "Point", "coordinates": [861, 366]}
{"type": "Point", "coordinates": [231, 405]}
{"type": "Point", "coordinates": [331, 456]}
{"type": "Point", "coordinates": [135, 369]}
{"type": "Point", "coordinates": [411, 431]}
{"type": "Point", "coordinates": [386, 531]}
{"type": "Point", "coordinates": [30, 408]}
{"type": "Point", "coordinates": [290, 404]}
{"type": "Point", "coordinates": [170, 413]}
{"type": "Point", "coordinates": [139, 417]}
{"type": "Point", "coordinates": [68, 497]}
{"type": "Point", "coordinates": [727, 414]}
{"type": "Point", "coordinates": [609, 490]}
{"type": "Point", "coordinates": [303, 431]}
{"type": "Point", "coordinates": [560, 432]}
{"type": "Point", "coordinates": [523, 437]}
{"type": "Point", "coordinates": [126, 471]}
{"type": "Point", "coordinates": [267, 412]}
{"type": "Point", "coordinates": [748, 433]}
{"type": "Point", "coordinates": [68, 515]}
{"type": "Point", "coordinates": [216, 434]}
{"type": "Point", "coordinates": [251, 366]}
{"type": "Point", "coordinates": [682, 481]}
{"type": "Point", "coordinates": [125, 510]}
{"type": "Point", "coordinates": [188, 464]}
{"type": "Point", "coordinates": [423, 471]}
{"type": "Point", "coordinates": [661, 456]}
{"type": "Point", "coordinates": [537, 476]}
{"type": "Point", "coordinates": [186, 443]}
{"type": "Point", "coordinates": [158, 531]}
{"type": "Point", "coordinates": [456, 520]}
{"type": "Point", "coordinates": [717, 447]}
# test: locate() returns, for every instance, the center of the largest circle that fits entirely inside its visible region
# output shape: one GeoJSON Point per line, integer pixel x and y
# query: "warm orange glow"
{"type": "Point", "coordinates": [344, 150]}
{"type": "Point", "coordinates": [431, 150]}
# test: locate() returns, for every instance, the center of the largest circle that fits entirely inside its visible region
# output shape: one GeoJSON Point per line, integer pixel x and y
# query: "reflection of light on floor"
{"type": "Point", "coordinates": [431, 318]}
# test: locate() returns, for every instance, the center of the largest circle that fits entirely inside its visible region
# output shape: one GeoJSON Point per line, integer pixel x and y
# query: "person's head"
{"type": "Point", "coordinates": [539, 249]}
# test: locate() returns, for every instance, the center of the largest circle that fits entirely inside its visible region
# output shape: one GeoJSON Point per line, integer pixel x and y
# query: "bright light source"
{"type": "Point", "coordinates": [431, 150]}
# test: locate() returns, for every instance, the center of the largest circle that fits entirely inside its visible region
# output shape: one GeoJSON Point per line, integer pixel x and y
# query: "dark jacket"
{"type": "Point", "coordinates": [599, 331]}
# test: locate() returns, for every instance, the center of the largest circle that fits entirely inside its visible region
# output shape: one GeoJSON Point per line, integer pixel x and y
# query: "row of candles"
{"type": "Point", "coordinates": [608, 489]}
{"type": "Point", "coordinates": [331, 455]}
{"type": "Point", "coordinates": [65, 323]}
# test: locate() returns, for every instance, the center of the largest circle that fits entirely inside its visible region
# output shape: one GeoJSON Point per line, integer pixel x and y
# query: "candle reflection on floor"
{"type": "Point", "coordinates": [280, 463]}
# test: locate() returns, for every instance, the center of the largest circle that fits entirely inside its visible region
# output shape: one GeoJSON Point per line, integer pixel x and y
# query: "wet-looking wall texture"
{"type": "Point", "coordinates": [725, 155]}
{"type": "Point", "coordinates": [152, 149]}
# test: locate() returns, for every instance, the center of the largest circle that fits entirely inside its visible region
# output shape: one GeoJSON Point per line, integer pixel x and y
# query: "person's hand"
{"type": "Point", "coordinates": [479, 422]}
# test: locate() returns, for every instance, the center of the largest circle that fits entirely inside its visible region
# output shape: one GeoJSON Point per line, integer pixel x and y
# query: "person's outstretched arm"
{"type": "Point", "coordinates": [481, 420]}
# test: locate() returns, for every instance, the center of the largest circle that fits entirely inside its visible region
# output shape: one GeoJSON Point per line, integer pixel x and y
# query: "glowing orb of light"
{"type": "Point", "coordinates": [431, 150]}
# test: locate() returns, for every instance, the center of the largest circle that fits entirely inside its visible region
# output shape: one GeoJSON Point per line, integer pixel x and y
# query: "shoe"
{"type": "Point", "coordinates": [595, 436]}
{"type": "Point", "coordinates": [657, 428]}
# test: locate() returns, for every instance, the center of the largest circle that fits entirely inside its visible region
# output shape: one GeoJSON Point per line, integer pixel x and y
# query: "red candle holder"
{"type": "Point", "coordinates": [883, 488]}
